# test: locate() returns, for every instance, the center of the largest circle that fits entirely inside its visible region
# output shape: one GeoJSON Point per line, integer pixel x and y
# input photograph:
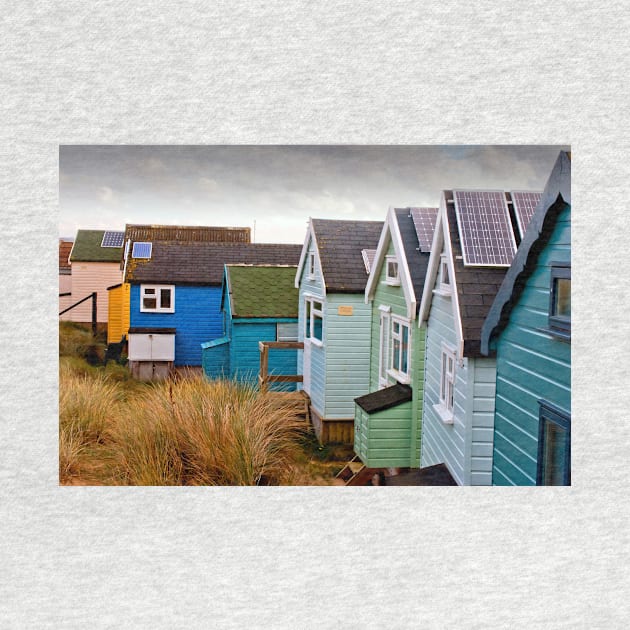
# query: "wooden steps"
{"type": "Point", "coordinates": [356, 473]}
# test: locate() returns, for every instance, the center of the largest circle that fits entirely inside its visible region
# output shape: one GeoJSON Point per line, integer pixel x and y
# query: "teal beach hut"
{"type": "Point", "coordinates": [528, 329]}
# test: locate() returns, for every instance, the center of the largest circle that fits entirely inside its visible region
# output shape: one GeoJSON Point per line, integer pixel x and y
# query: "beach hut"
{"type": "Point", "coordinates": [95, 258]}
{"type": "Point", "coordinates": [259, 303]}
{"type": "Point", "coordinates": [528, 329]}
{"type": "Point", "coordinates": [65, 277]}
{"type": "Point", "coordinates": [474, 243]}
{"type": "Point", "coordinates": [175, 297]}
{"type": "Point", "coordinates": [388, 419]}
{"type": "Point", "coordinates": [335, 322]}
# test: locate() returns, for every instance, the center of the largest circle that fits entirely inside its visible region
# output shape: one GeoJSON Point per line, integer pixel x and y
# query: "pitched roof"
{"type": "Point", "coordinates": [339, 244]}
{"type": "Point", "coordinates": [556, 195]}
{"type": "Point", "coordinates": [65, 247]}
{"type": "Point", "coordinates": [476, 286]}
{"type": "Point", "coordinates": [262, 290]}
{"type": "Point", "coordinates": [410, 224]}
{"type": "Point", "coordinates": [202, 263]}
{"type": "Point", "coordinates": [184, 233]}
{"type": "Point", "coordinates": [87, 248]}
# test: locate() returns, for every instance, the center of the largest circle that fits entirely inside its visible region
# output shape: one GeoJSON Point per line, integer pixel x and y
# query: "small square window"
{"type": "Point", "coordinates": [391, 274]}
{"type": "Point", "coordinates": [554, 446]}
{"type": "Point", "coordinates": [287, 331]}
{"type": "Point", "coordinates": [157, 299]}
{"type": "Point", "coordinates": [560, 299]}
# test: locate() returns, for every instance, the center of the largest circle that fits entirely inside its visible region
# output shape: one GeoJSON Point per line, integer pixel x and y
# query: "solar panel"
{"type": "Point", "coordinates": [141, 250]}
{"type": "Point", "coordinates": [424, 220]}
{"type": "Point", "coordinates": [524, 203]}
{"type": "Point", "coordinates": [485, 229]}
{"type": "Point", "coordinates": [112, 239]}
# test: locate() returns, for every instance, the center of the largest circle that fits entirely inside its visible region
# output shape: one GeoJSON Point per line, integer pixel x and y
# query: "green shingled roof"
{"type": "Point", "coordinates": [87, 248]}
{"type": "Point", "coordinates": [263, 291]}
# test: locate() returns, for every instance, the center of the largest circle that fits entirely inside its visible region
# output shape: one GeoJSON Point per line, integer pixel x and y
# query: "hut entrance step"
{"type": "Point", "coordinates": [356, 473]}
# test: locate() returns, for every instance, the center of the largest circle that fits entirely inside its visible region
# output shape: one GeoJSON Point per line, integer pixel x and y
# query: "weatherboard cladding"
{"type": "Point", "coordinates": [87, 248]}
{"type": "Point", "coordinates": [476, 287]}
{"type": "Point", "coordinates": [188, 233]}
{"type": "Point", "coordinates": [340, 244]}
{"type": "Point", "coordinates": [64, 254]}
{"type": "Point", "coordinates": [197, 263]}
{"type": "Point", "coordinates": [262, 291]}
{"type": "Point", "coordinates": [384, 398]}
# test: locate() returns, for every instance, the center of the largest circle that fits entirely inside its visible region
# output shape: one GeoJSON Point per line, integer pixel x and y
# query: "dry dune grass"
{"type": "Point", "coordinates": [182, 432]}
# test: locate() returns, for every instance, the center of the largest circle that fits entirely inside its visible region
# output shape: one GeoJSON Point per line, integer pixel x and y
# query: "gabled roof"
{"type": "Point", "coordinates": [475, 286]}
{"type": "Point", "coordinates": [87, 248]}
{"type": "Point", "coordinates": [556, 196]}
{"type": "Point", "coordinates": [407, 229]}
{"type": "Point", "coordinates": [262, 290]}
{"type": "Point", "coordinates": [65, 247]}
{"type": "Point", "coordinates": [196, 263]}
{"type": "Point", "coordinates": [184, 233]}
{"type": "Point", "coordinates": [339, 245]}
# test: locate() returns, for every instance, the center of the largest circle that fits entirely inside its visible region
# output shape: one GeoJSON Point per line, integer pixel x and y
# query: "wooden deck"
{"type": "Point", "coordinates": [356, 473]}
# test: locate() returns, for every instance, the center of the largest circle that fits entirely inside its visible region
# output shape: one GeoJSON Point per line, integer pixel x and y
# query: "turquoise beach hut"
{"type": "Point", "coordinates": [528, 328]}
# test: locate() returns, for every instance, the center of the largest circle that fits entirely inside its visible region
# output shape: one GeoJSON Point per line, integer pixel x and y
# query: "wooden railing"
{"type": "Point", "coordinates": [264, 378]}
{"type": "Point", "coordinates": [92, 297]}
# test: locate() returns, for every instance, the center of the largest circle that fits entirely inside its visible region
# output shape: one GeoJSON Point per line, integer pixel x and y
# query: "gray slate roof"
{"type": "Point", "coordinates": [476, 286]}
{"type": "Point", "coordinates": [201, 263]}
{"type": "Point", "coordinates": [417, 260]}
{"type": "Point", "coordinates": [340, 244]}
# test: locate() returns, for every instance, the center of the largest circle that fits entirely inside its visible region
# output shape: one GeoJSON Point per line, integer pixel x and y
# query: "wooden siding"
{"type": "Point", "coordinates": [197, 318]}
{"type": "Point", "coordinates": [215, 358]}
{"type": "Point", "coordinates": [531, 365]}
{"type": "Point", "coordinates": [347, 348]}
{"type": "Point", "coordinates": [318, 357]}
{"type": "Point", "coordinates": [370, 435]}
{"type": "Point", "coordinates": [245, 353]}
{"type": "Point", "coordinates": [118, 308]}
{"type": "Point", "coordinates": [466, 445]}
{"type": "Point", "coordinates": [65, 286]}
{"type": "Point", "coordinates": [88, 277]}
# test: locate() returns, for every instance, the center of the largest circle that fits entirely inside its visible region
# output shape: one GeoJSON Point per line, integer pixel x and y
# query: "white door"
{"type": "Point", "coordinates": [306, 367]}
{"type": "Point", "coordinates": [383, 359]}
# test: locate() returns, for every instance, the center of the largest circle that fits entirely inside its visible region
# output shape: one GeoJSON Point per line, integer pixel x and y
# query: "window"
{"type": "Point", "coordinates": [383, 363]}
{"type": "Point", "coordinates": [287, 331]}
{"type": "Point", "coordinates": [444, 280]}
{"type": "Point", "coordinates": [447, 385]}
{"type": "Point", "coordinates": [311, 265]}
{"type": "Point", "coordinates": [314, 321]}
{"type": "Point", "coordinates": [157, 298]}
{"type": "Point", "coordinates": [391, 273]}
{"type": "Point", "coordinates": [554, 446]}
{"type": "Point", "coordinates": [560, 299]}
{"type": "Point", "coordinates": [400, 349]}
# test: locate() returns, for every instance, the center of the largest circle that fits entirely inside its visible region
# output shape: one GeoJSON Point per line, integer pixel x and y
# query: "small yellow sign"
{"type": "Point", "coordinates": [344, 310]}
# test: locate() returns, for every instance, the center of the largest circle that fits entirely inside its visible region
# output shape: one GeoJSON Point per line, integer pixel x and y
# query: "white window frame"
{"type": "Point", "coordinates": [398, 374]}
{"type": "Point", "coordinates": [311, 265]}
{"type": "Point", "coordinates": [309, 322]}
{"type": "Point", "coordinates": [389, 279]}
{"type": "Point", "coordinates": [444, 288]}
{"type": "Point", "coordinates": [445, 408]}
{"type": "Point", "coordinates": [157, 288]}
{"type": "Point", "coordinates": [383, 359]}
{"type": "Point", "coordinates": [284, 336]}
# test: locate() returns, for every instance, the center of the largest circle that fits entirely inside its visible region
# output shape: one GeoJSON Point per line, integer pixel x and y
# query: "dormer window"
{"type": "Point", "coordinates": [311, 265]}
{"type": "Point", "coordinates": [392, 277]}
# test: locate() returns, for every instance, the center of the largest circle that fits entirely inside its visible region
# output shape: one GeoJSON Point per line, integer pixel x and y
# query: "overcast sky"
{"type": "Point", "coordinates": [278, 187]}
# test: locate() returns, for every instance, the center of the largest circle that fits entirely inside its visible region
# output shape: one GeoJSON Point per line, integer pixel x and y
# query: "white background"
{"type": "Point", "coordinates": [302, 72]}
